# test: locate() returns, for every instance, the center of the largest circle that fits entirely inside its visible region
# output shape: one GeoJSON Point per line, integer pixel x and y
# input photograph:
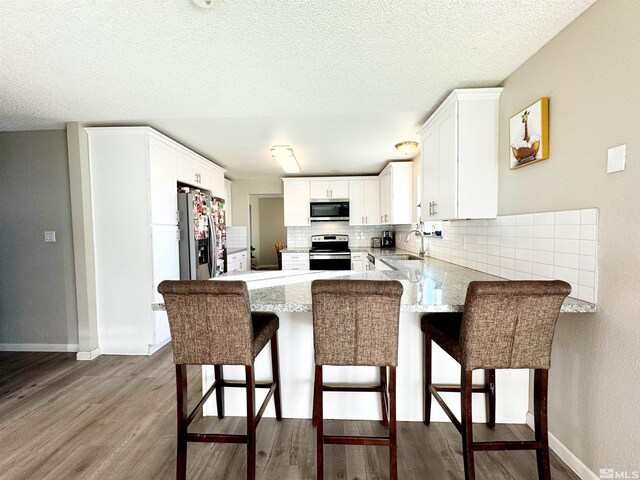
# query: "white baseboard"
{"type": "Point", "coordinates": [39, 347]}
{"type": "Point", "coordinates": [154, 348]}
{"type": "Point", "coordinates": [88, 355]}
{"type": "Point", "coordinates": [566, 455]}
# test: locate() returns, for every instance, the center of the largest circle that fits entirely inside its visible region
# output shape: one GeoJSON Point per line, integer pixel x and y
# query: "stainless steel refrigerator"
{"type": "Point", "coordinates": [203, 235]}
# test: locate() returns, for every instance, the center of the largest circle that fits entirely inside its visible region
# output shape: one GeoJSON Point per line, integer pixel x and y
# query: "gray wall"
{"type": "Point", "coordinates": [37, 287]}
{"type": "Point", "coordinates": [272, 229]}
{"type": "Point", "coordinates": [591, 73]}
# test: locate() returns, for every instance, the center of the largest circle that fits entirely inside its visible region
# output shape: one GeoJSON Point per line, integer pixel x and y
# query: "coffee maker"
{"type": "Point", "coordinates": [388, 240]}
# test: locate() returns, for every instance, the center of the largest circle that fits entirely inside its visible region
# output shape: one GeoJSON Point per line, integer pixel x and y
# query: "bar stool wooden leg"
{"type": "Point", "coordinates": [393, 438]}
{"type": "Point", "coordinates": [317, 414]}
{"type": "Point", "coordinates": [467, 425]}
{"type": "Point", "coordinates": [490, 385]}
{"type": "Point", "coordinates": [384, 401]}
{"type": "Point", "coordinates": [182, 411]}
{"type": "Point", "coordinates": [540, 389]}
{"type": "Point", "coordinates": [314, 420]}
{"type": "Point", "coordinates": [275, 368]}
{"type": "Point", "coordinates": [217, 369]}
{"type": "Point", "coordinates": [251, 423]}
{"type": "Point", "coordinates": [427, 379]}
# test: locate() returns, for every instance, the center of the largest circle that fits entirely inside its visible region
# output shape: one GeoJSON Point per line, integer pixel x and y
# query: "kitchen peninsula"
{"type": "Point", "coordinates": [430, 285]}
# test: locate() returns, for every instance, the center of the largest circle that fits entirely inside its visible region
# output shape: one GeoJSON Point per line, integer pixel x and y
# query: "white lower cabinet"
{"type": "Point", "coordinates": [295, 261]}
{"type": "Point", "coordinates": [358, 261]}
{"type": "Point", "coordinates": [237, 262]}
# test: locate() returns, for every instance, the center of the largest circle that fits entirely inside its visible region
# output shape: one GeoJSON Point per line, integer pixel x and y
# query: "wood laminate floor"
{"type": "Point", "coordinates": [114, 418]}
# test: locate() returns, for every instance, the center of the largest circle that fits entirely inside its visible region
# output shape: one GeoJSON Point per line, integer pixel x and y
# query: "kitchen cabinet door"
{"type": "Point", "coordinates": [295, 261]}
{"type": "Point", "coordinates": [162, 183]}
{"type": "Point", "coordinates": [339, 189]}
{"type": "Point", "coordinates": [429, 173]}
{"type": "Point", "coordinates": [319, 189]}
{"type": "Point", "coordinates": [296, 203]}
{"type": "Point", "coordinates": [446, 205]}
{"type": "Point", "coordinates": [385, 196]}
{"type": "Point", "coordinates": [357, 202]}
{"type": "Point", "coordinates": [188, 170]}
{"type": "Point", "coordinates": [371, 201]}
{"type": "Point", "coordinates": [357, 261]}
{"type": "Point", "coordinates": [329, 189]}
{"type": "Point", "coordinates": [215, 182]}
{"type": "Point", "coordinates": [165, 256]}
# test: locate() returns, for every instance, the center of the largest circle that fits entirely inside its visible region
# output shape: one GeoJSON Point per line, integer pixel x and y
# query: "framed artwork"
{"type": "Point", "coordinates": [529, 134]}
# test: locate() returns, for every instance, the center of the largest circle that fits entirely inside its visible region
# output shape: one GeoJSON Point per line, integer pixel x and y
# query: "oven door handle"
{"type": "Point", "coordinates": [332, 256]}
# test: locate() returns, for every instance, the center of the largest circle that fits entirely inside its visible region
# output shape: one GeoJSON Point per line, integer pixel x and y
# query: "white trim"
{"type": "Point", "coordinates": [88, 355]}
{"type": "Point", "coordinates": [566, 455]}
{"type": "Point", "coordinates": [39, 347]}
{"type": "Point", "coordinates": [154, 348]}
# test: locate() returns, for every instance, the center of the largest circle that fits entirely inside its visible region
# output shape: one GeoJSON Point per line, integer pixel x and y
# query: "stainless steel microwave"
{"type": "Point", "coordinates": [331, 211]}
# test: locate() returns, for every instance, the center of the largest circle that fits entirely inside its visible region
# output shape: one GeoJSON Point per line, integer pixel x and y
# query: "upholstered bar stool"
{"type": "Point", "coordinates": [504, 325]}
{"type": "Point", "coordinates": [212, 324]}
{"type": "Point", "coordinates": [355, 323]}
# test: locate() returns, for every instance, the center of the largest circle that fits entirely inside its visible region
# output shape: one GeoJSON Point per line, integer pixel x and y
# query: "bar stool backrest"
{"type": "Point", "coordinates": [355, 322]}
{"type": "Point", "coordinates": [510, 324]}
{"type": "Point", "coordinates": [210, 322]}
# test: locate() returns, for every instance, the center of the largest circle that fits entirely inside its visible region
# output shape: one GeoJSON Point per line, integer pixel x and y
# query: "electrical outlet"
{"type": "Point", "coordinates": [50, 237]}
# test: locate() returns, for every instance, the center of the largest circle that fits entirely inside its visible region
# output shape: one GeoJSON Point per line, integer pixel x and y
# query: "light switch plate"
{"type": "Point", "coordinates": [617, 158]}
{"type": "Point", "coordinates": [50, 237]}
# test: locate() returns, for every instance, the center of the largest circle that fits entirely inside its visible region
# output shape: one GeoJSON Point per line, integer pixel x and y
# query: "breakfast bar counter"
{"type": "Point", "coordinates": [429, 285]}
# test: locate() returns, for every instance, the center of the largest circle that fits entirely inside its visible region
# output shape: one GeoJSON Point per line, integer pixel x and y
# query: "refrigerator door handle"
{"type": "Point", "coordinates": [213, 258]}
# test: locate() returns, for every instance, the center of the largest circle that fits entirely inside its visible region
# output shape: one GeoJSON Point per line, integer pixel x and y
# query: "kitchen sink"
{"type": "Point", "coordinates": [399, 256]}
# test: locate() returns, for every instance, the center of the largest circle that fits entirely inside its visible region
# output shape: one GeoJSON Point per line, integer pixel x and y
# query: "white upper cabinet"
{"type": "Point", "coordinates": [364, 202]}
{"type": "Point", "coordinates": [296, 203]}
{"type": "Point", "coordinates": [200, 172]}
{"type": "Point", "coordinates": [329, 189]}
{"type": "Point", "coordinates": [460, 156]}
{"type": "Point", "coordinates": [396, 194]}
{"type": "Point", "coordinates": [188, 170]}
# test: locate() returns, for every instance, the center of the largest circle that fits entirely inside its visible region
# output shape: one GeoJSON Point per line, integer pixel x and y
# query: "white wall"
{"type": "Point", "coordinates": [240, 195]}
{"type": "Point", "coordinates": [37, 283]}
{"type": "Point", "coordinates": [591, 73]}
{"type": "Point", "coordinates": [272, 229]}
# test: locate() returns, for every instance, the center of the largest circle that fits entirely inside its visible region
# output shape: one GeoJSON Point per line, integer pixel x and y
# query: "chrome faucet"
{"type": "Point", "coordinates": [423, 250]}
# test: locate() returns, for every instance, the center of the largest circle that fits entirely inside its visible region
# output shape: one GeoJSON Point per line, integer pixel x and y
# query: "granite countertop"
{"type": "Point", "coordinates": [231, 251]}
{"type": "Point", "coordinates": [430, 285]}
{"type": "Point", "coordinates": [295, 250]}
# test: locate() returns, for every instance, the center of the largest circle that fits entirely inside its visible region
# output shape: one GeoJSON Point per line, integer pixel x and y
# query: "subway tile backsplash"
{"type": "Point", "coordinates": [359, 236]}
{"type": "Point", "coordinates": [539, 246]}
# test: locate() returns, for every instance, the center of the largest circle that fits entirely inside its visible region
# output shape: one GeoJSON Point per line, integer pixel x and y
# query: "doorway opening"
{"type": "Point", "coordinates": [266, 228]}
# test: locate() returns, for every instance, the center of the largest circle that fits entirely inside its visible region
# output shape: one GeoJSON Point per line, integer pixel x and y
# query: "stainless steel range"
{"type": "Point", "coordinates": [330, 252]}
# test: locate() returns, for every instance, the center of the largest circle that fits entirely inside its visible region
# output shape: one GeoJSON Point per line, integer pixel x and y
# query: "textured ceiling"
{"type": "Point", "coordinates": [340, 81]}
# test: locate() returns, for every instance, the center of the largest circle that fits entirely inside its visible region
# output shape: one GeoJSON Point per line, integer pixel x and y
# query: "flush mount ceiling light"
{"type": "Point", "coordinates": [203, 3]}
{"type": "Point", "coordinates": [406, 147]}
{"type": "Point", "coordinates": [285, 157]}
